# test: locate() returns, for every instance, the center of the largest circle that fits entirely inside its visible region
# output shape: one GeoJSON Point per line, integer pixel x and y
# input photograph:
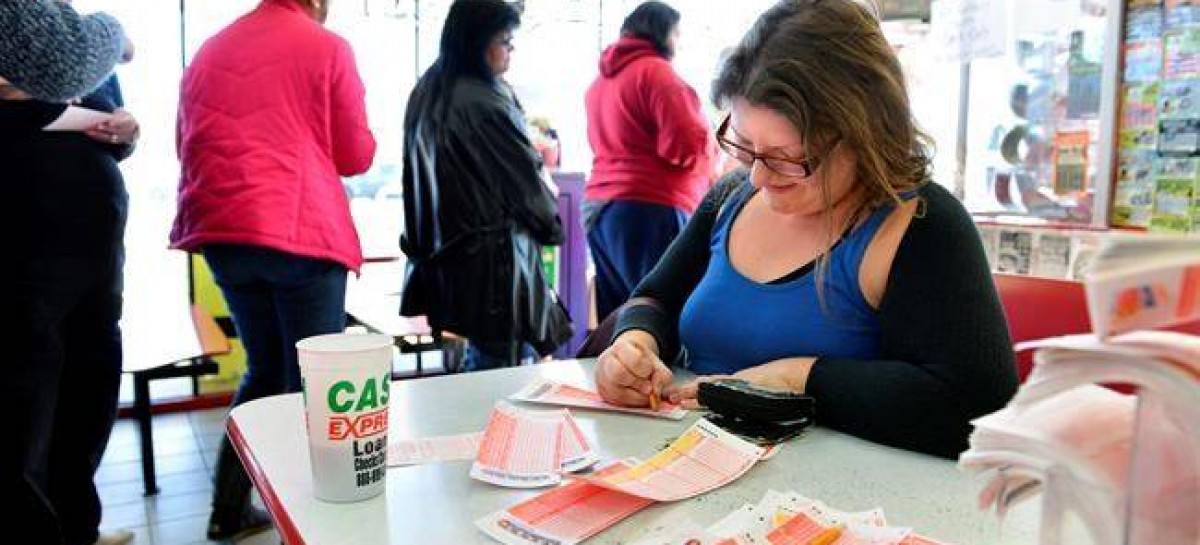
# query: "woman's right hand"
{"type": "Point", "coordinates": [629, 370]}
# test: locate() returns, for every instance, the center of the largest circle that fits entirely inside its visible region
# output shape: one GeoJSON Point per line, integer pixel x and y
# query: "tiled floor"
{"type": "Point", "coordinates": [185, 447]}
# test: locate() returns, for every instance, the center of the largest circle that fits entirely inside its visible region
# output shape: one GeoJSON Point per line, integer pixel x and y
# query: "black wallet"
{"type": "Point", "coordinates": [757, 414]}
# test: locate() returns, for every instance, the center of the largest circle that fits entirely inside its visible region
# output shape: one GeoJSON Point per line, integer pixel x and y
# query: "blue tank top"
{"type": "Point", "coordinates": [730, 322]}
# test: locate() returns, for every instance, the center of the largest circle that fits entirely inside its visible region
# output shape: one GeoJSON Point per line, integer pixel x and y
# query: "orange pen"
{"type": "Point", "coordinates": [827, 536]}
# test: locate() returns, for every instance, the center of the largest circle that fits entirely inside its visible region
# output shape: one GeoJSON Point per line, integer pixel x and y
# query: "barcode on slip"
{"type": "Point", "coordinates": [511, 476]}
{"type": "Point", "coordinates": [525, 533]}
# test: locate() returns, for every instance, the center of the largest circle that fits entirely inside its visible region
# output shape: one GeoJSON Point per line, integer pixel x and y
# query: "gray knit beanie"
{"type": "Point", "coordinates": [52, 53]}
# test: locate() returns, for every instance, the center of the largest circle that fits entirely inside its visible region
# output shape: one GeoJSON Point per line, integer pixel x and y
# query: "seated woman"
{"type": "Point", "coordinates": [830, 265]}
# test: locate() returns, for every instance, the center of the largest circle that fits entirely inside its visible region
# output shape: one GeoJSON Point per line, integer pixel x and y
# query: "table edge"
{"type": "Point", "coordinates": [283, 521]}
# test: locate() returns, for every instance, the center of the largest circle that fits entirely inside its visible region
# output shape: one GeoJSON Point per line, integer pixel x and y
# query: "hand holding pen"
{"type": "Point", "coordinates": [630, 373]}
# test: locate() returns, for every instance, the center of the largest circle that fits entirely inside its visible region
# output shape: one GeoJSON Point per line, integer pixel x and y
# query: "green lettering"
{"type": "Point", "coordinates": [340, 387]}
{"type": "Point", "coordinates": [370, 396]}
{"type": "Point", "coordinates": [386, 382]}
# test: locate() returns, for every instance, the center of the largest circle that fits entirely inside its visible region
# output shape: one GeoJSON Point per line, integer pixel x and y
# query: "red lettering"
{"type": "Point", "coordinates": [339, 428]}
{"type": "Point", "coordinates": [371, 424]}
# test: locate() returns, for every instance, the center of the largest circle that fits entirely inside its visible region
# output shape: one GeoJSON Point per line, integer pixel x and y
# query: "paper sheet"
{"type": "Point", "coordinates": [677, 527]}
{"type": "Point", "coordinates": [554, 393]}
{"type": "Point", "coordinates": [79, 119]}
{"type": "Point", "coordinates": [565, 515]}
{"type": "Point", "coordinates": [574, 452]}
{"type": "Point", "coordinates": [745, 526]}
{"type": "Point", "coordinates": [798, 530]}
{"type": "Point", "coordinates": [704, 458]}
{"type": "Point", "coordinates": [530, 449]}
{"type": "Point", "coordinates": [424, 450]}
{"type": "Point", "coordinates": [788, 518]}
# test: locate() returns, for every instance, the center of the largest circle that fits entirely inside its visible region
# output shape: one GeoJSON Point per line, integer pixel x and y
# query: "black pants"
{"type": "Point", "coordinates": [627, 239]}
{"type": "Point", "coordinates": [61, 397]}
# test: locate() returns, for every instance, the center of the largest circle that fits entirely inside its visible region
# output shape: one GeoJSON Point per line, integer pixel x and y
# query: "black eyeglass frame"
{"type": "Point", "coordinates": [804, 168]}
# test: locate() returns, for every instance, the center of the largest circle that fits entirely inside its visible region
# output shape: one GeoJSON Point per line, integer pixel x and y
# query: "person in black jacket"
{"type": "Point", "coordinates": [477, 210]}
{"type": "Point", "coordinates": [68, 205]}
{"type": "Point", "coordinates": [832, 267]}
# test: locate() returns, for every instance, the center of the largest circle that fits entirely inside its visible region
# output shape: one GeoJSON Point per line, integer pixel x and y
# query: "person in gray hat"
{"type": "Point", "coordinates": [51, 52]}
{"type": "Point", "coordinates": [71, 216]}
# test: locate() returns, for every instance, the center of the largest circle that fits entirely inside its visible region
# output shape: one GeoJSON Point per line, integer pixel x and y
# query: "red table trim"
{"type": "Point", "coordinates": [283, 520]}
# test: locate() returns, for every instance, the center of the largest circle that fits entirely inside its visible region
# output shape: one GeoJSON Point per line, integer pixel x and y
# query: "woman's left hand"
{"type": "Point", "coordinates": [789, 374]}
{"type": "Point", "coordinates": [121, 128]}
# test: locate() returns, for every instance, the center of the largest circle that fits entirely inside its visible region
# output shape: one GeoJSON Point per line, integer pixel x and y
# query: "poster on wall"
{"type": "Point", "coordinates": [1070, 162]}
{"type": "Point", "coordinates": [1132, 203]}
{"type": "Point", "coordinates": [1181, 54]}
{"type": "Point", "coordinates": [1179, 99]}
{"type": "Point", "coordinates": [1182, 14]}
{"type": "Point", "coordinates": [1053, 257]}
{"type": "Point", "coordinates": [1143, 23]}
{"type": "Point", "coordinates": [1174, 194]}
{"type": "Point", "coordinates": [1015, 251]}
{"type": "Point", "coordinates": [1139, 117]}
{"type": "Point", "coordinates": [1143, 61]}
{"type": "Point", "coordinates": [1179, 137]}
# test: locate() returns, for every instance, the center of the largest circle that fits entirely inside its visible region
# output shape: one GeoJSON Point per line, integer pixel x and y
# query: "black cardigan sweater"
{"type": "Point", "coordinates": [945, 353]}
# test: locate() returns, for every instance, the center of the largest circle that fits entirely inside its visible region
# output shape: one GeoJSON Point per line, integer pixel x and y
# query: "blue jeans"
{"type": "Point", "coordinates": [484, 355]}
{"type": "Point", "coordinates": [627, 239]}
{"type": "Point", "coordinates": [276, 299]}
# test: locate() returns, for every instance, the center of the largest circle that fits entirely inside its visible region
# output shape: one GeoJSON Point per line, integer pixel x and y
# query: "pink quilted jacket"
{"type": "Point", "coordinates": [271, 115]}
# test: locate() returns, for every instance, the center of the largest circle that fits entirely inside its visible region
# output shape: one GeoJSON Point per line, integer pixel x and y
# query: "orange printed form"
{"type": "Point", "coordinates": [566, 515]}
{"type": "Point", "coordinates": [805, 530]}
{"type": "Point", "coordinates": [530, 449]}
{"type": "Point", "coordinates": [704, 458]}
{"type": "Point", "coordinates": [554, 393]}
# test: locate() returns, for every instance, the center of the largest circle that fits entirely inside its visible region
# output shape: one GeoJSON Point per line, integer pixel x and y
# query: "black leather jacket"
{"type": "Point", "coordinates": [477, 214]}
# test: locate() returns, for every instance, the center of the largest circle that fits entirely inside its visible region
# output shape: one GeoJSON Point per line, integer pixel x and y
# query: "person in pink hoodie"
{"type": "Point", "coordinates": [271, 116]}
{"type": "Point", "coordinates": [653, 154]}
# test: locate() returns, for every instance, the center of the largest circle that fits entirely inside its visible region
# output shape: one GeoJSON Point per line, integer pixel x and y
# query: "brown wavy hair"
{"type": "Point", "coordinates": [826, 66]}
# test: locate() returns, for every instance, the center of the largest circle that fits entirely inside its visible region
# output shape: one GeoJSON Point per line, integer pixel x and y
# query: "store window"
{"type": "Point", "coordinates": [155, 277]}
{"type": "Point", "coordinates": [554, 62]}
{"type": "Point", "coordinates": [1034, 125]}
{"type": "Point", "coordinates": [557, 50]}
{"type": "Point", "coordinates": [383, 34]}
{"type": "Point", "coordinates": [933, 87]}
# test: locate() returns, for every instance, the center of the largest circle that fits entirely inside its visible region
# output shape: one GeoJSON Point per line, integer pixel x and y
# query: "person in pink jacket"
{"type": "Point", "coordinates": [653, 154]}
{"type": "Point", "coordinates": [271, 116]}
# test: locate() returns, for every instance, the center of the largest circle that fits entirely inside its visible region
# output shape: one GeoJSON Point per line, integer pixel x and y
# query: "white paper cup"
{"type": "Point", "coordinates": [347, 382]}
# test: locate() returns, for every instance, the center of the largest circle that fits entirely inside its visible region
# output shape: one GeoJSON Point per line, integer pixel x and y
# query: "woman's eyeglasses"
{"type": "Point", "coordinates": [793, 168]}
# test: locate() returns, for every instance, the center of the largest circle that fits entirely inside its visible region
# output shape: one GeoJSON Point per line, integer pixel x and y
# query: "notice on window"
{"type": "Point", "coordinates": [965, 30]}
